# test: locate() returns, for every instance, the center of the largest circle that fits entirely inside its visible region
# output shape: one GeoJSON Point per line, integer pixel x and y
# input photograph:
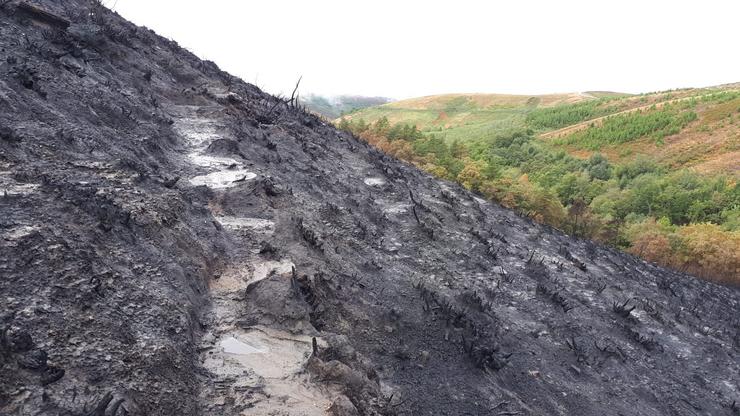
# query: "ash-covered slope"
{"type": "Point", "coordinates": [174, 241]}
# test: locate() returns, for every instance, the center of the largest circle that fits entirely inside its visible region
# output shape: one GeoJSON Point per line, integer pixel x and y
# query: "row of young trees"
{"type": "Point", "coordinates": [617, 129]}
{"type": "Point", "coordinates": [568, 114]}
{"type": "Point", "coordinates": [678, 219]}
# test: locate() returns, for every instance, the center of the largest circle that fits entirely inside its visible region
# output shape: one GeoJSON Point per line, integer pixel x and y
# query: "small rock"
{"type": "Point", "coordinates": [424, 356]}
{"type": "Point", "coordinates": [19, 340]}
{"type": "Point", "coordinates": [33, 360]}
{"type": "Point", "coordinates": [51, 374]}
{"type": "Point", "coordinates": [342, 406]}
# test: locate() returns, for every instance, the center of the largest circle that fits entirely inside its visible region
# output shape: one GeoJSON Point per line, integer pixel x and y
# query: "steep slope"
{"type": "Point", "coordinates": [174, 241]}
{"type": "Point", "coordinates": [654, 174]}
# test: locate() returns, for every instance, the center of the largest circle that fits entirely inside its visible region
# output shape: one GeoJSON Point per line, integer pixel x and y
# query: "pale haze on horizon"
{"type": "Point", "coordinates": [403, 49]}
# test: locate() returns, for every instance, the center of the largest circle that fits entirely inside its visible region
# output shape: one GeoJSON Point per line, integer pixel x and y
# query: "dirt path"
{"type": "Point", "coordinates": [565, 131]}
{"type": "Point", "coordinates": [249, 369]}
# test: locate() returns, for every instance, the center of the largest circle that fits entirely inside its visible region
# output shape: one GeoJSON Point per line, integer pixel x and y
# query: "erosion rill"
{"type": "Point", "coordinates": [177, 242]}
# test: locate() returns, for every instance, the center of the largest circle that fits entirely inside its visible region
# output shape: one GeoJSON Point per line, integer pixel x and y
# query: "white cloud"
{"type": "Point", "coordinates": [411, 48]}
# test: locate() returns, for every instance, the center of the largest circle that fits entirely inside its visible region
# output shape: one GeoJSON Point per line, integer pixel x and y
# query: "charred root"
{"type": "Point", "coordinates": [309, 235]}
{"type": "Point", "coordinates": [555, 295]}
{"type": "Point", "coordinates": [622, 309]}
{"type": "Point", "coordinates": [647, 342]}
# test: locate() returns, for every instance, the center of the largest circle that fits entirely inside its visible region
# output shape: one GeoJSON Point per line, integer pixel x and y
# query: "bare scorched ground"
{"type": "Point", "coordinates": [176, 242]}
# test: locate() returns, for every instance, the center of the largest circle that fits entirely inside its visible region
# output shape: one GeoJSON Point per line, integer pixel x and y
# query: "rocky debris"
{"type": "Point", "coordinates": [342, 406]}
{"type": "Point", "coordinates": [175, 241]}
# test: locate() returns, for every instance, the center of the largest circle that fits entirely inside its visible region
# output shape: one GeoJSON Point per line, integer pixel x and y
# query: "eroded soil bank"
{"type": "Point", "coordinates": [176, 242]}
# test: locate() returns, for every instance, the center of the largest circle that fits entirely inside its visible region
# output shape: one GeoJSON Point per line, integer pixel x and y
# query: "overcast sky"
{"type": "Point", "coordinates": [404, 48]}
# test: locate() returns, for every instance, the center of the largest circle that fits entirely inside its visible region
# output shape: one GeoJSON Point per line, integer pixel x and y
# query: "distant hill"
{"type": "Point", "coordinates": [336, 106]}
{"type": "Point", "coordinates": [465, 116]}
{"type": "Point", "coordinates": [709, 144]}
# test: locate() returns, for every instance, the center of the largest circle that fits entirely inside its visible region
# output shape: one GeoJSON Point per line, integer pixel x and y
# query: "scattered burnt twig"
{"type": "Point", "coordinates": [485, 357]}
{"type": "Point", "coordinates": [647, 342]}
{"type": "Point", "coordinates": [498, 236]}
{"type": "Point", "coordinates": [481, 348]}
{"type": "Point", "coordinates": [411, 195]}
{"type": "Point", "coordinates": [474, 299]}
{"type": "Point", "coordinates": [293, 98]}
{"type": "Point", "coordinates": [568, 256]}
{"type": "Point", "coordinates": [503, 403]}
{"type": "Point", "coordinates": [423, 225]}
{"type": "Point", "coordinates": [99, 409]}
{"type": "Point", "coordinates": [555, 295]}
{"type": "Point", "coordinates": [114, 407]}
{"type": "Point", "coordinates": [294, 282]}
{"type": "Point", "coordinates": [578, 349]}
{"type": "Point", "coordinates": [416, 216]}
{"type": "Point", "coordinates": [611, 350]}
{"type": "Point", "coordinates": [309, 235]}
{"type": "Point", "coordinates": [734, 407]}
{"type": "Point", "coordinates": [531, 256]}
{"type": "Point", "coordinates": [507, 277]}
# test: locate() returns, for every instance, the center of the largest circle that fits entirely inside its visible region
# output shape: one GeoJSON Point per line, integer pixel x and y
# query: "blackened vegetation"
{"type": "Point", "coordinates": [666, 284]}
{"type": "Point", "coordinates": [482, 237]}
{"type": "Point", "coordinates": [312, 290]}
{"type": "Point", "coordinates": [477, 342]}
{"type": "Point", "coordinates": [555, 294]}
{"type": "Point", "coordinates": [578, 349]}
{"type": "Point", "coordinates": [568, 256]}
{"type": "Point", "coordinates": [417, 208]}
{"type": "Point", "coordinates": [37, 13]}
{"type": "Point", "coordinates": [476, 301]}
{"type": "Point", "coordinates": [17, 348]}
{"type": "Point", "coordinates": [609, 349]}
{"type": "Point", "coordinates": [623, 309]}
{"type": "Point", "coordinates": [309, 234]}
{"type": "Point", "coordinates": [646, 341]}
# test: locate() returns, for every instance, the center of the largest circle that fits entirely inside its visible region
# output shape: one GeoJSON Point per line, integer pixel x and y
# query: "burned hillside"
{"type": "Point", "coordinates": [175, 241]}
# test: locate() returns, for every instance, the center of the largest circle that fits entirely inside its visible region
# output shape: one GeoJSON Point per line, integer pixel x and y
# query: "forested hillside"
{"type": "Point", "coordinates": [654, 174]}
